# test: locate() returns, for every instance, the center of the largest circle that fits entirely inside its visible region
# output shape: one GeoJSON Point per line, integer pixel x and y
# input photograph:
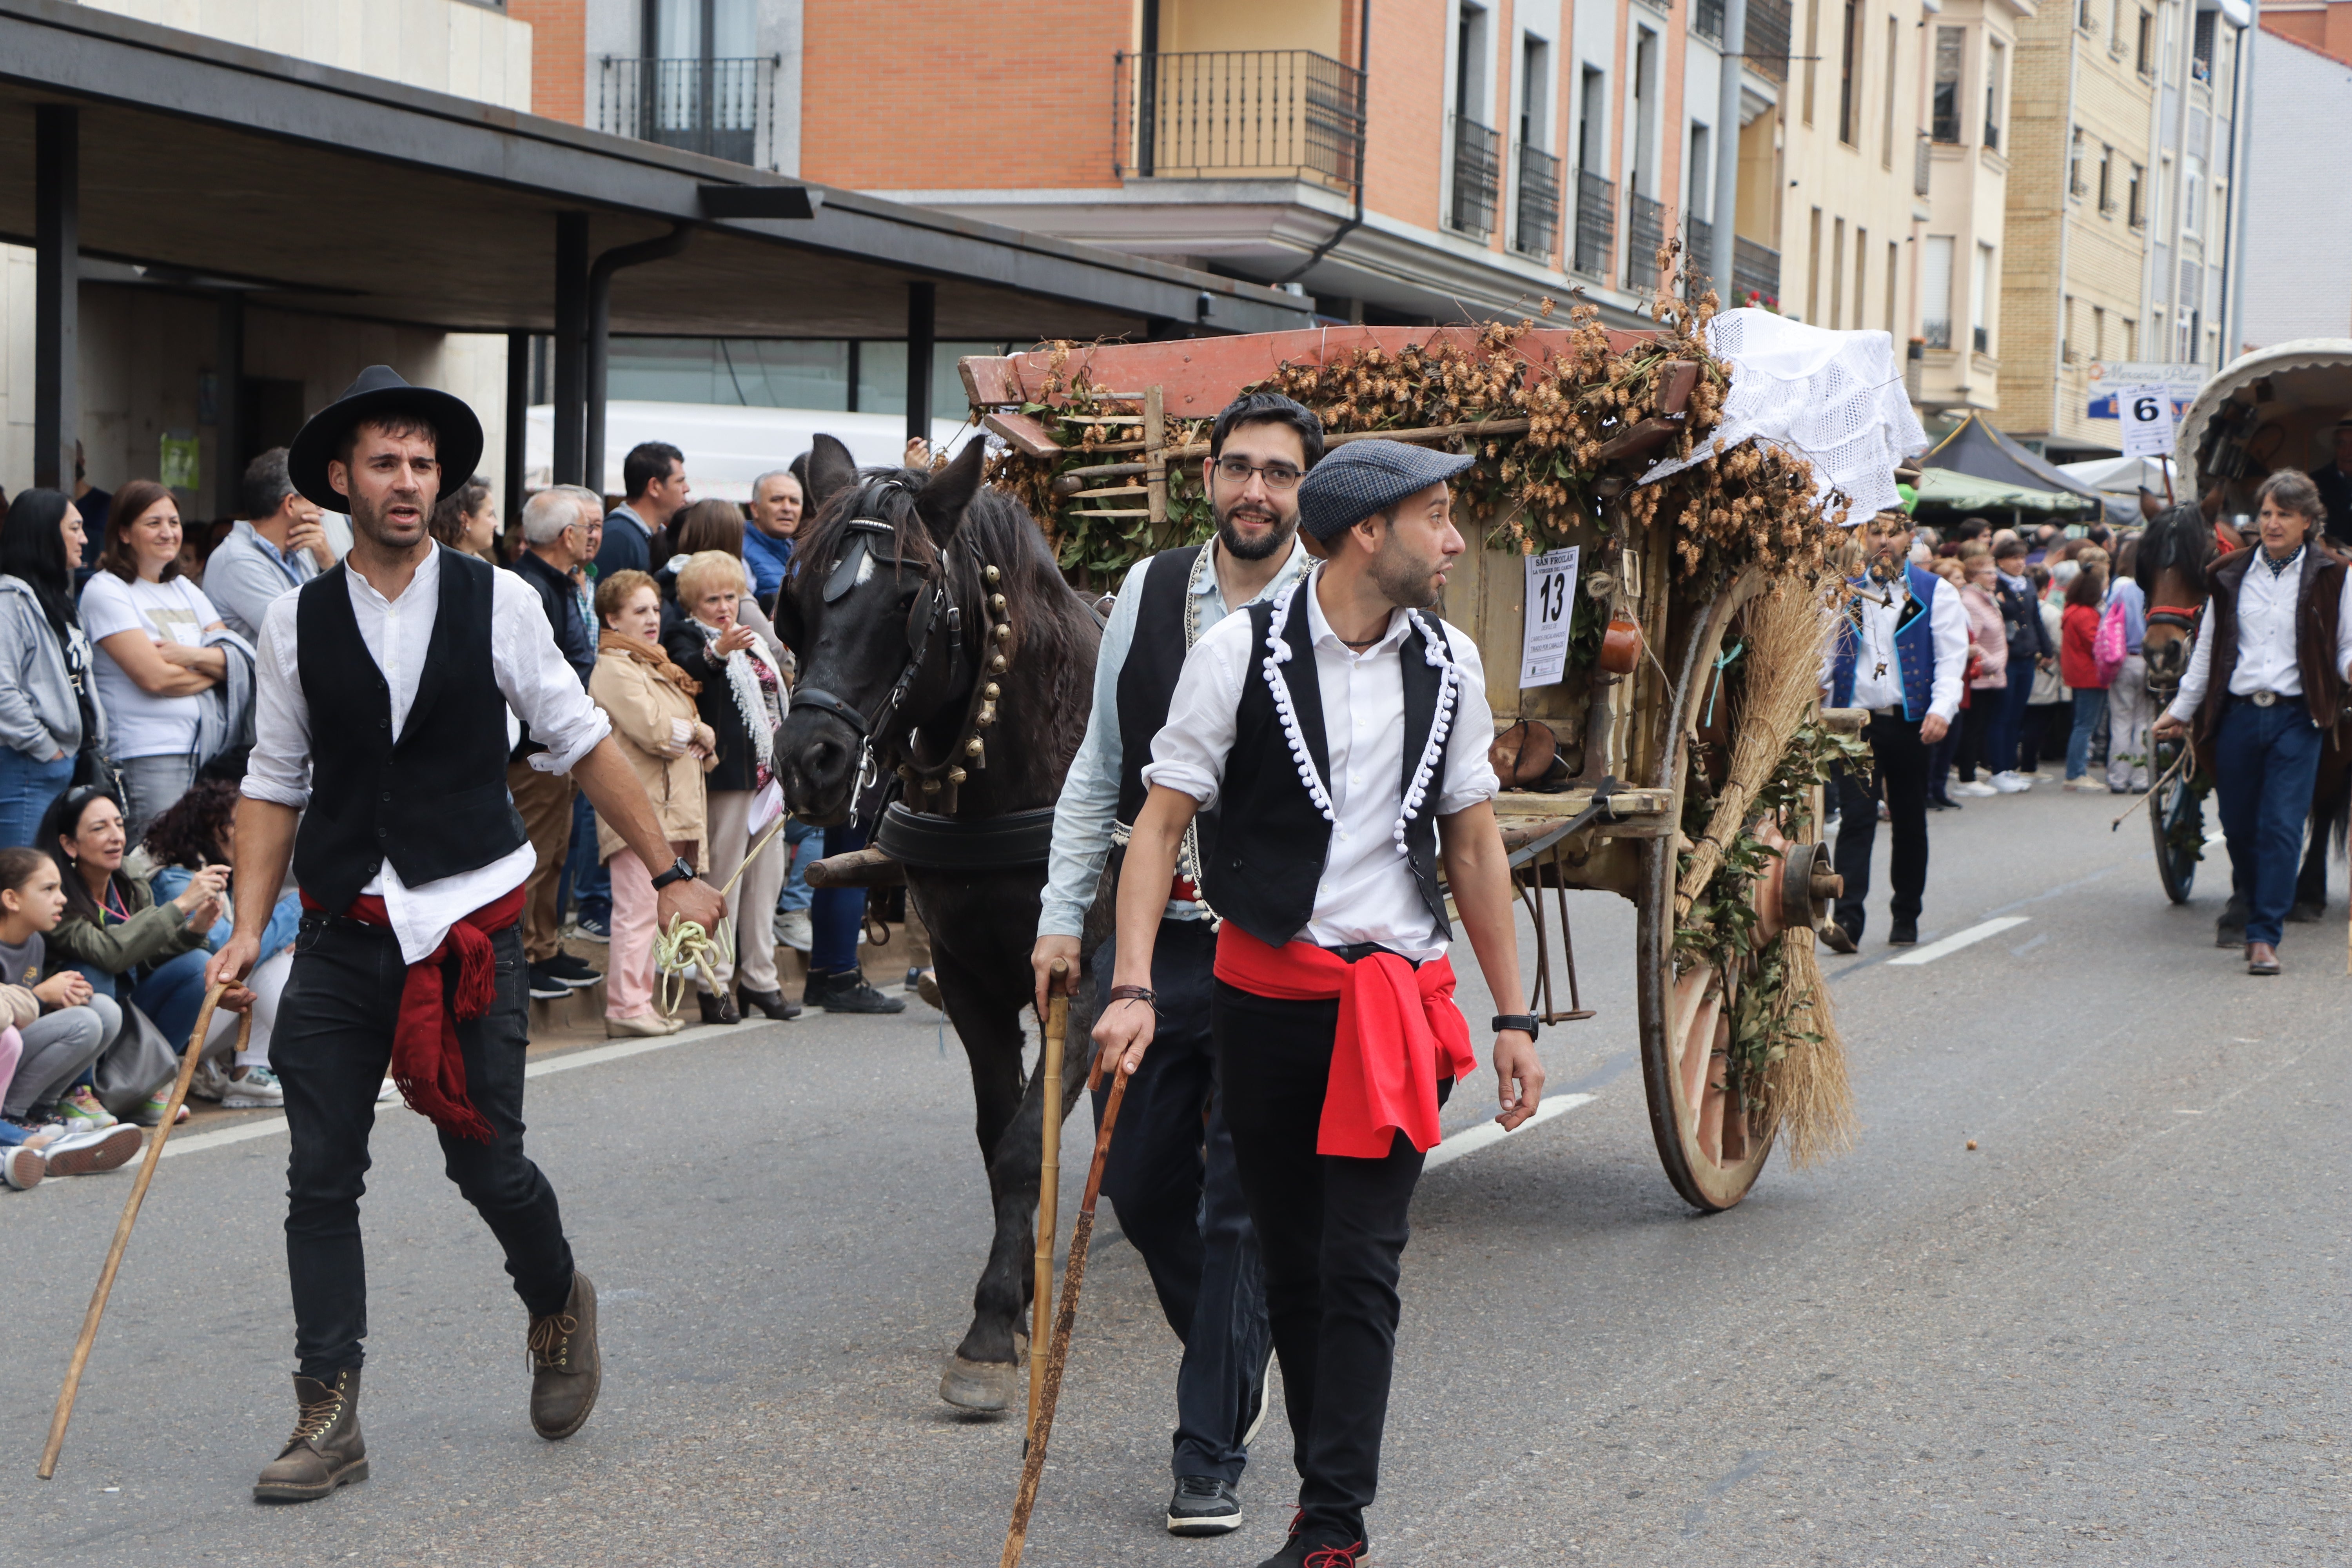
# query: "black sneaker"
{"type": "Point", "coordinates": [546, 985]}
{"type": "Point", "coordinates": [1903, 933]}
{"type": "Point", "coordinates": [1299, 1552]}
{"type": "Point", "coordinates": [573, 970]}
{"type": "Point", "coordinates": [1203, 1505]}
{"type": "Point", "coordinates": [848, 991]}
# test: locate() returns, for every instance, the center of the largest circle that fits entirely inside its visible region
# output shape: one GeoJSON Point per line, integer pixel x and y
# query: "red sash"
{"type": "Point", "coordinates": [427, 1062]}
{"type": "Point", "coordinates": [1398, 1033]}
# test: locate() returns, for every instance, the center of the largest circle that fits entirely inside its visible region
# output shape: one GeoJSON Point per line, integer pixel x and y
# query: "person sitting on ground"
{"type": "Point", "coordinates": [650, 701]}
{"type": "Point", "coordinates": [114, 930]}
{"type": "Point", "coordinates": [200, 830]}
{"type": "Point", "coordinates": [62, 1026]}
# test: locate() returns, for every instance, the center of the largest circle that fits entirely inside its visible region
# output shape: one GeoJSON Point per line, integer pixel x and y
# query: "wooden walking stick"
{"type": "Point", "coordinates": [1056, 1024]}
{"type": "Point", "coordinates": [1074, 1276]}
{"type": "Point", "coordinates": [188, 1059]}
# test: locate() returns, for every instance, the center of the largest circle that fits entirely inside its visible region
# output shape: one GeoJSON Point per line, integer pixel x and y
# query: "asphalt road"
{"type": "Point", "coordinates": [2107, 1335]}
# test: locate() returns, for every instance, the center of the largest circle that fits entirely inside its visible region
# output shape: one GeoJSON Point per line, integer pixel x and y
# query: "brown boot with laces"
{"type": "Point", "coordinates": [326, 1450]}
{"type": "Point", "coordinates": [565, 1370]}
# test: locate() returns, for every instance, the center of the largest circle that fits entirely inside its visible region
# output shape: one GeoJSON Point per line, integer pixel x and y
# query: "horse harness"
{"type": "Point", "coordinates": [934, 609]}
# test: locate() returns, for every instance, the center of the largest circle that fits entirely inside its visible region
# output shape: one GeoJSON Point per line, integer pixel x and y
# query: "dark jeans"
{"type": "Point", "coordinates": [2090, 707]}
{"type": "Point", "coordinates": [586, 884]}
{"type": "Point", "coordinates": [2037, 737]}
{"type": "Point", "coordinates": [835, 914]}
{"type": "Point", "coordinates": [1172, 1179]}
{"type": "Point", "coordinates": [2009, 717]}
{"type": "Point", "coordinates": [1331, 1231]}
{"type": "Point", "coordinates": [1939, 763]}
{"type": "Point", "coordinates": [1901, 779]}
{"type": "Point", "coordinates": [330, 1048]}
{"type": "Point", "coordinates": [2264, 763]}
{"type": "Point", "coordinates": [1974, 722]}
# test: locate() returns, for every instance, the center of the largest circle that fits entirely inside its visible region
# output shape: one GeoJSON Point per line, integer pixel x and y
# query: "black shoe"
{"type": "Point", "coordinates": [718, 1009]}
{"type": "Point", "coordinates": [1301, 1553]}
{"type": "Point", "coordinates": [2304, 914]}
{"type": "Point", "coordinates": [573, 971]}
{"type": "Point", "coordinates": [772, 1003]}
{"type": "Point", "coordinates": [1903, 933]}
{"type": "Point", "coordinates": [1834, 937]}
{"type": "Point", "coordinates": [848, 991]}
{"type": "Point", "coordinates": [547, 985]}
{"type": "Point", "coordinates": [1203, 1505]}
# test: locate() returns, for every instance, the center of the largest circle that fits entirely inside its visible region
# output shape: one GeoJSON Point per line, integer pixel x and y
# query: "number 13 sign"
{"type": "Point", "coordinates": [1550, 606]}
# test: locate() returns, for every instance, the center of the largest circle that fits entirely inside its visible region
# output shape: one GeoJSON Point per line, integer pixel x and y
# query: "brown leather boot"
{"type": "Point", "coordinates": [565, 1370]}
{"type": "Point", "coordinates": [326, 1450]}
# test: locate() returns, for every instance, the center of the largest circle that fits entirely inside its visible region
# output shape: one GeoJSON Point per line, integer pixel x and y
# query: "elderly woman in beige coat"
{"type": "Point", "coordinates": [651, 703]}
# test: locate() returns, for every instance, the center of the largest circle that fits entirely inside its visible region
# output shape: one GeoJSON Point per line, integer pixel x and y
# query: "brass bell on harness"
{"type": "Point", "coordinates": [996, 663]}
{"type": "Point", "coordinates": [989, 691]}
{"type": "Point", "coordinates": [986, 716]}
{"type": "Point", "coordinates": [974, 750]}
{"type": "Point", "coordinates": [990, 574]}
{"type": "Point", "coordinates": [1004, 631]}
{"type": "Point", "coordinates": [955, 776]}
{"type": "Point", "coordinates": [930, 786]}
{"type": "Point", "coordinates": [996, 604]}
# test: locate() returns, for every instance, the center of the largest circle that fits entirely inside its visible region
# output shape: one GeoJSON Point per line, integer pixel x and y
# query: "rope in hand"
{"type": "Point", "coordinates": [686, 948]}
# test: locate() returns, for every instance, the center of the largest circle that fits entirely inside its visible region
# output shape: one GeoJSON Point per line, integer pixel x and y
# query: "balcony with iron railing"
{"type": "Point", "coordinates": [1766, 39]}
{"type": "Point", "coordinates": [725, 108]}
{"type": "Point", "coordinates": [1539, 205]}
{"type": "Point", "coordinates": [1239, 114]}
{"type": "Point", "coordinates": [1699, 251]}
{"type": "Point", "coordinates": [1755, 273]}
{"type": "Point", "coordinates": [1646, 230]}
{"type": "Point", "coordinates": [1477, 178]}
{"type": "Point", "coordinates": [1596, 223]}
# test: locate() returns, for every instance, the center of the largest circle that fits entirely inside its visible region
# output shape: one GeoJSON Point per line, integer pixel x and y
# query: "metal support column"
{"type": "Point", "coordinates": [229, 405]}
{"type": "Point", "coordinates": [922, 305]}
{"type": "Point", "coordinates": [570, 397]}
{"type": "Point", "coordinates": [57, 293]}
{"type": "Point", "coordinates": [1724, 219]}
{"type": "Point", "coordinates": [518, 428]}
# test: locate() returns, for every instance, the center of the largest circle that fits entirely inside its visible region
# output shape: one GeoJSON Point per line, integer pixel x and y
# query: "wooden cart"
{"type": "Point", "coordinates": [1632, 740]}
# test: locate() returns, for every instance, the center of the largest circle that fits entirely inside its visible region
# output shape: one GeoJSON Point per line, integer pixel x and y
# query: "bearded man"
{"type": "Point", "coordinates": [1170, 1174]}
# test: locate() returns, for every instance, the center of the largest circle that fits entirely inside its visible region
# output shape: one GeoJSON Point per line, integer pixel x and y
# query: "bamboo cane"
{"type": "Point", "coordinates": [188, 1059]}
{"type": "Point", "coordinates": [1049, 1182]}
{"type": "Point", "coordinates": [1074, 1277]}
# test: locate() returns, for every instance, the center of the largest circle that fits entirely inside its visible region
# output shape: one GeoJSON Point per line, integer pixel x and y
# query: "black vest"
{"type": "Point", "coordinates": [435, 803]}
{"type": "Point", "coordinates": [1274, 841]}
{"type": "Point", "coordinates": [1147, 680]}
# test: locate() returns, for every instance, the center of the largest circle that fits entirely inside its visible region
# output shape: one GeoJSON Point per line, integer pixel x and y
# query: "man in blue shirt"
{"type": "Point", "coordinates": [653, 474]}
{"type": "Point", "coordinates": [279, 546]}
{"type": "Point", "coordinates": [768, 544]}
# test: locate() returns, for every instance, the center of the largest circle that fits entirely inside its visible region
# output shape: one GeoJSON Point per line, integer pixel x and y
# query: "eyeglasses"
{"type": "Point", "coordinates": [1277, 476]}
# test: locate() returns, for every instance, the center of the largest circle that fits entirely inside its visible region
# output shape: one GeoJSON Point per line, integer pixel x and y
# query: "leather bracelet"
{"type": "Point", "coordinates": [1144, 994]}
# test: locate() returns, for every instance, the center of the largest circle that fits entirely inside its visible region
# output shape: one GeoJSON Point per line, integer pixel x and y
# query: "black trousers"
{"type": "Point", "coordinates": [1333, 1230]}
{"type": "Point", "coordinates": [1171, 1181]}
{"type": "Point", "coordinates": [331, 1049]}
{"type": "Point", "coordinates": [1899, 776]}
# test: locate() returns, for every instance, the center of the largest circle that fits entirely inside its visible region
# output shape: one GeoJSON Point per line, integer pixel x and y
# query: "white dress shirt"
{"type": "Point", "coordinates": [524, 662]}
{"type": "Point", "coordinates": [1088, 803]}
{"type": "Point", "coordinates": [1366, 893]}
{"type": "Point", "coordinates": [1878, 674]}
{"type": "Point", "coordinates": [2266, 650]}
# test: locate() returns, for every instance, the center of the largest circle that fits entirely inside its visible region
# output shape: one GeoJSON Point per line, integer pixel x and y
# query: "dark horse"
{"type": "Point", "coordinates": [2171, 567]}
{"type": "Point", "coordinates": [892, 610]}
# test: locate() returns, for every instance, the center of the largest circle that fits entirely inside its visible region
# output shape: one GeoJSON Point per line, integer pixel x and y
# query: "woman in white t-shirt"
{"type": "Point", "coordinates": [149, 623]}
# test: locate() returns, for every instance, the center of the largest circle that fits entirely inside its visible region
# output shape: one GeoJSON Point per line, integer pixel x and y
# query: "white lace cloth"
{"type": "Point", "coordinates": [1833, 398]}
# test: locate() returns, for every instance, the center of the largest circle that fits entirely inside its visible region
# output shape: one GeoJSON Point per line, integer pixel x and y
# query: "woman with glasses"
{"type": "Point", "coordinates": [49, 708]}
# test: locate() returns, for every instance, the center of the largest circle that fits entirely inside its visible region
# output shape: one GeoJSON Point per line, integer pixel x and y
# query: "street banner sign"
{"type": "Point", "coordinates": [2147, 415]}
{"type": "Point", "coordinates": [2180, 384]}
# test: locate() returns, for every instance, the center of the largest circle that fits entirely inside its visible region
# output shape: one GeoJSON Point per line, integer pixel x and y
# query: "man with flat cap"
{"type": "Point", "coordinates": [1340, 732]}
{"type": "Point", "coordinates": [379, 771]}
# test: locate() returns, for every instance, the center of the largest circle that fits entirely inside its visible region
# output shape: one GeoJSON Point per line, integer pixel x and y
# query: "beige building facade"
{"type": "Point", "coordinates": [1964, 151]}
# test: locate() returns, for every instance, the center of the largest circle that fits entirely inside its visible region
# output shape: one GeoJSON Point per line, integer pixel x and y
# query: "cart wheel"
{"type": "Point", "coordinates": [2176, 815]}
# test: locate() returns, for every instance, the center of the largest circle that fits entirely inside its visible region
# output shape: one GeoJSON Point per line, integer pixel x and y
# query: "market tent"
{"type": "Point", "coordinates": [1977, 449]}
{"type": "Point", "coordinates": [1966, 493]}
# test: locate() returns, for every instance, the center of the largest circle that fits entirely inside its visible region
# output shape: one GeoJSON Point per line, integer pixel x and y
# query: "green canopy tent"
{"type": "Point", "coordinates": [1976, 450]}
{"type": "Point", "coordinates": [1947, 490]}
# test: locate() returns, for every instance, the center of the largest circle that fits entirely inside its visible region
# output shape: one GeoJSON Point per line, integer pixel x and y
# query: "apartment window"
{"type": "Point", "coordinates": [1470, 63]}
{"type": "Point", "coordinates": [1837, 274]}
{"type": "Point", "coordinates": [1996, 76]}
{"type": "Point", "coordinates": [2099, 332]}
{"type": "Point", "coordinates": [1944, 99]}
{"type": "Point", "coordinates": [1535, 93]}
{"type": "Point", "coordinates": [1812, 52]}
{"type": "Point", "coordinates": [1893, 252]}
{"type": "Point", "coordinates": [2116, 35]}
{"type": "Point", "coordinates": [1813, 269]}
{"type": "Point", "coordinates": [1642, 172]}
{"type": "Point", "coordinates": [1861, 272]}
{"type": "Point", "coordinates": [1894, 43]}
{"type": "Point", "coordinates": [2106, 178]}
{"type": "Point", "coordinates": [2074, 182]}
{"type": "Point", "coordinates": [2147, 44]}
{"type": "Point", "coordinates": [1935, 292]}
{"type": "Point", "coordinates": [2066, 331]}
{"type": "Point", "coordinates": [2083, 18]}
{"type": "Point", "coordinates": [1980, 327]}
{"type": "Point", "coordinates": [2192, 194]}
{"type": "Point", "coordinates": [2135, 198]}
{"type": "Point", "coordinates": [1592, 119]}
{"type": "Point", "coordinates": [2201, 47]}
{"type": "Point", "coordinates": [1699, 189]}
{"type": "Point", "coordinates": [2156, 200]}
{"type": "Point", "coordinates": [2131, 338]}
{"type": "Point", "coordinates": [1849, 77]}
{"type": "Point", "coordinates": [1477, 158]}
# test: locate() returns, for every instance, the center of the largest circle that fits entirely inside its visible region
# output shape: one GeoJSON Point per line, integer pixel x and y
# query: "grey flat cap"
{"type": "Point", "coordinates": [1367, 476]}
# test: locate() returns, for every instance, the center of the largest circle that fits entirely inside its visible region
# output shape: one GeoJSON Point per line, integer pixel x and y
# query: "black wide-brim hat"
{"type": "Point", "coordinates": [379, 392]}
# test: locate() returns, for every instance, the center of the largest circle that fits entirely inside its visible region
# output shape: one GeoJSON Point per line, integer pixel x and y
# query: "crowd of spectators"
{"type": "Point", "coordinates": [126, 713]}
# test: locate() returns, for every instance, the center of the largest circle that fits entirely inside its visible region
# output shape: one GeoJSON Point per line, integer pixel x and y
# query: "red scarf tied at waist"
{"type": "Point", "coordinates": [1398, 1033]}
{"type": "Point", "coordinates": [427, 1062]}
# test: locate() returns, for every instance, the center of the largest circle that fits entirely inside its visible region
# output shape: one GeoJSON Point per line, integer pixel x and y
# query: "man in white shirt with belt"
{"type": "Point", "coordinates": [1340, 732]}
{"type": "Point", "coordinates": [2264, 686]}
{"type": "Point", "coordinates": [1902, 654]}
{"type": "Point", "coordinates": [379, 771]}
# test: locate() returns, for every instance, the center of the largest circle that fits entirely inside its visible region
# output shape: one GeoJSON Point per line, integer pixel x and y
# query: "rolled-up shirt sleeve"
{"type": "Point", "coordinates": [1189, 753]}
{"type": "Point", "coordinates": [1090, 798]}
{"type": "Point", "coordinates": [536, 683]}
{"type": "Point", "coordinates": [1469, 770]}
{"type": "Point", "coordinates": [280, 768]}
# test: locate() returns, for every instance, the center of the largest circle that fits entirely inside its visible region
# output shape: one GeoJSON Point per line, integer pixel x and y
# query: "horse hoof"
{"type": "Point", "coordinates": [986, 1386]}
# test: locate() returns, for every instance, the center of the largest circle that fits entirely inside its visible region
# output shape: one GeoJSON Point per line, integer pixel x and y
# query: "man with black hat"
{"type": "Point", "coordinates": [1171, 1172]}
{"type": "Point", "coordinates": [379, 771]}
{"type": "Point", "coordinates": [1340, 734]}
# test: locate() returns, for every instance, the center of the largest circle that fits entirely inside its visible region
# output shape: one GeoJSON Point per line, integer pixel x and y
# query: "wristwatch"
{"type": "Point", "coordinates": [1527, 1023]}
{"type": "Point", "coordinates": [680, 872]}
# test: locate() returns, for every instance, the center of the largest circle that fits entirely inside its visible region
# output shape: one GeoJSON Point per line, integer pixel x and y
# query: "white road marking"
{"type": "Point", "coordinates": [1471, 1140]}
{"type": "Point", "coordinates": [266, 1126]}
{"type": "Point", "coordinates": [1960, 939]}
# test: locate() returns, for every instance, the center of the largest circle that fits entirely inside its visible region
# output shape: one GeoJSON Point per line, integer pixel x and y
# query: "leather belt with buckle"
{"type": "Point", "coordinates": [2262, 699]}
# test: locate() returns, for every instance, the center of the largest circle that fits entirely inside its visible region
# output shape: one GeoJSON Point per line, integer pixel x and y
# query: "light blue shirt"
{"type": "Point", "coordinates": [2126, 592]}
{"type": "Point", "coordinates": [1089, 802]}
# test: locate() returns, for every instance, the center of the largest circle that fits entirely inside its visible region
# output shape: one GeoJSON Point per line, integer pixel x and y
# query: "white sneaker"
{"type": "Point", "coordinates": [254, 1089]}
{"type": "Point", "coordinates": [2012, 784]}
{"type": "Point", "coordinates": [1973, 788]}
{"type": "Point", "coordinates": [794, 931]}
{"type": "Point", "coordinates": [87, 1151]}
{"type": "Point", "coordinates": [21, 1167]}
